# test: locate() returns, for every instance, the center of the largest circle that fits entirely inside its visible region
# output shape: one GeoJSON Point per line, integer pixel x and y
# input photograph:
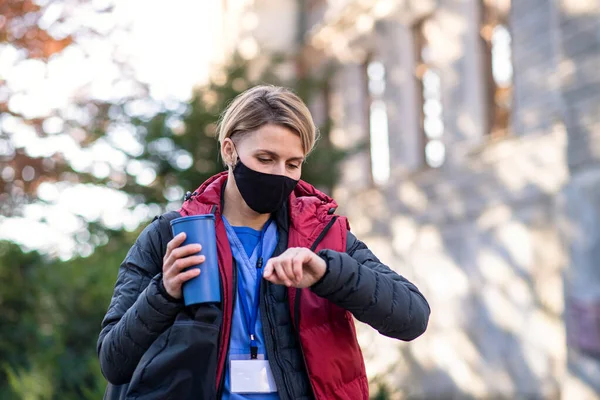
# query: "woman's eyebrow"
{"type": "Point", "coordinates": [272, 154]}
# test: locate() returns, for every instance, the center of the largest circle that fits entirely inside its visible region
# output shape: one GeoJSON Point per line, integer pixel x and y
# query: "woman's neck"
{"type": "Point", "coordinates": [237, 211]}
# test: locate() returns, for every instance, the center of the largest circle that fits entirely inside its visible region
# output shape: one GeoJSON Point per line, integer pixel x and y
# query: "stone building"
{"type": "Point", "coordinates": [481, 183]}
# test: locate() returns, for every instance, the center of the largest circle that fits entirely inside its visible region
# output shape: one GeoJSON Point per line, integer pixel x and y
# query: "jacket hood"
{"type": "Point", "coordinates": [206, 197]}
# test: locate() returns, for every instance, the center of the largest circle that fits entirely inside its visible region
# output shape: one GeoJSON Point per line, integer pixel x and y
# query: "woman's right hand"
{"type": "Point", "coordinates": [175, 261]}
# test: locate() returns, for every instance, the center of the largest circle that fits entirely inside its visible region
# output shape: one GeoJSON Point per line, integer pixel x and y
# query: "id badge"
{"type": "Point", "coordinates": [252, 376]}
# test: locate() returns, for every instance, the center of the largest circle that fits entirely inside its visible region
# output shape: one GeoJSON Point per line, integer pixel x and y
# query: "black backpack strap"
{"type": "Point", "coordinates": [164, 228]}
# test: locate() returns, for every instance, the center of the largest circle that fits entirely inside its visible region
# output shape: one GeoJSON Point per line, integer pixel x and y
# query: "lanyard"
{"type": "Point", "coordinates": [250, 318]}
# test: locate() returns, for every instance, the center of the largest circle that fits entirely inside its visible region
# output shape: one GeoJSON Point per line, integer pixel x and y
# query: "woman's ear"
{"type": "Point", "coordinates": [228, 152]}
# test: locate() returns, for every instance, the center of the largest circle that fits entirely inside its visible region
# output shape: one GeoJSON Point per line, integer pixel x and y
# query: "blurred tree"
{"type": "Point", "coordinates": [181, 145]}
{"type": "Point", "coordinates": [19, 30]}
{"type": "Point", "coordinates": [51, 310]}
{"type": "Point", "coordinates": [382, 393]}
{"type": "Point", "coordinates": [19, 297]}
{"type": "Point", "coordinates": [77, 293]}
{"type": "Point", "coordinates": [19, 26]}
{"type": "Point", "coordinates": [50, 320]}
{"type": "Point", "coordinates": [35, 40]}
{"type": "Point", "coordinates": [162, 153]}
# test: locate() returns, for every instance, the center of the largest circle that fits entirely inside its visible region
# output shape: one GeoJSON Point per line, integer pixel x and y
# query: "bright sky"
{"type": "Point", "coordinates": [173, 45]}
{"type": "Point", "coordinates": [170, 47]}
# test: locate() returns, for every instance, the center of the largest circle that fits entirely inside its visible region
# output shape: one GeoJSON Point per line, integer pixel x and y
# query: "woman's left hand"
{"type": "Point", "coordinates": [296, 267]}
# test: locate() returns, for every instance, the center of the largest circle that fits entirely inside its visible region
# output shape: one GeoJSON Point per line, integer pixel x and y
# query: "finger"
{"type": "Point", "coordinates": [273, 279]}
{"type": "Point", "coordinates": [186, 262]}
{"type": "Point", "coordinates": [281, 275]}
{"type": "Point", "coordinates": [186, 250]}
{"type": "Point", "coordinates": [297, 263]}
{"type": "Point", "coordinates": [288, 269]}
{"type": "Point", "coordinates": [187, 275]}
{"type": "Point", "coordinates": [181, 252]}
{"type": "Point", "coordinates": [172, 246]}
{"type": "Point", "coordinates": [175, 242]}
{"type": "Point", "coordinates": [300, 259]}
{"type": "Point", "coordinates": [171, 270]}
{"type": "Point", "coordinates": [270, 272]}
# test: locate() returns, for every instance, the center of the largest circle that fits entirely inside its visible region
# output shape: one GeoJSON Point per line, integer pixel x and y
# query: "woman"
{"type": "Point", "coordinates": [294, 337]}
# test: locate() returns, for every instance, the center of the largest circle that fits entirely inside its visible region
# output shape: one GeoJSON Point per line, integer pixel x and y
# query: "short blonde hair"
{"type": "Point", "coordinates": [262, 105]}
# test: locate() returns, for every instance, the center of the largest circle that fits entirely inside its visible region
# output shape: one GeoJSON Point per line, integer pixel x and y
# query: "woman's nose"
{"type": "Point", "coordinates": [279, 169]}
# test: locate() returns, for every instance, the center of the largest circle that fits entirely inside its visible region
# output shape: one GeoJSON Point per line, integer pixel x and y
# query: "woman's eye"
{"type": "Point", "coordinates": [293, 166]}
{"type": "Point", "coordinates": [264, 160]}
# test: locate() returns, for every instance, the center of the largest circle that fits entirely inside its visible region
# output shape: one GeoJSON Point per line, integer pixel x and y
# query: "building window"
{"type": "Point", "coordinates": [497, 40]}
{"type": "Point", "coordinates": [429, 98]}
{"type": "Point", "coordinates": [378, 123]}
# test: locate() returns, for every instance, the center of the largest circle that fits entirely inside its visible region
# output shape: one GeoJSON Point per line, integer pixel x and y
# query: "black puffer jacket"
{"type": "Point", "coordinates": [142, 320]}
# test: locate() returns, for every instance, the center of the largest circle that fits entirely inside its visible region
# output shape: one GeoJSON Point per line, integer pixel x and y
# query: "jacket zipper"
{"type": "Point", "coordinates": [297, 303]}
{"type": "Point", "coordinates": [273, 338]}
{"type": "Point", "coordinates": [235, 278]}
{"type": "Point", "coordinates": [221, 386]}
{"type": "Point", "coordinates": [297, 328]}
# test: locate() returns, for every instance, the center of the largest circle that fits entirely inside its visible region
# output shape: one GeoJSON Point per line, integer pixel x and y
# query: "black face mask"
{"type": "Point", "coordinates": [264, 193]}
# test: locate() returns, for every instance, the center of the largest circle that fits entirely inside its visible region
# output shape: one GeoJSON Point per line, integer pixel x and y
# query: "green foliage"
{"type": "Point", "coordinates": [19, 295]}
{"type": "Point", "coordinates": [51, 314]}
{"type": "Point", "coordinates": [383, 392]}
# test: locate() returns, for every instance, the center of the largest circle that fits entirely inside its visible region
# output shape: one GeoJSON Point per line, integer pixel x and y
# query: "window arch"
{"type": "Point", "coordinates": [378, 121]}
{"type": "Point", "coordinates": [429, 97]}
{"type": "Point", "coordinates": [498, 66]}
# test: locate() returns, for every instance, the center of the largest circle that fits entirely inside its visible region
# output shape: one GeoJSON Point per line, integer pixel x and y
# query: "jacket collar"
{"type": "Point", "coordinates": [207, 197]}
{"type": "Point", "coordinates": [304, 204]}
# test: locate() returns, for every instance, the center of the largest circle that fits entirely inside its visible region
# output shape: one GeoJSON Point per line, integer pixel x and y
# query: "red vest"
{"type": "Point", "coordinates": [333, 357]}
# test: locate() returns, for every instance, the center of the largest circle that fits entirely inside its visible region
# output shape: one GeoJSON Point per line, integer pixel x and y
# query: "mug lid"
{"type": "Point", "coordinates": [192, 217]}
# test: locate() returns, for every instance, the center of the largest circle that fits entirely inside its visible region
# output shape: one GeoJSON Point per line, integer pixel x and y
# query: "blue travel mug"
{"type": "Point", "coordinates": [206, 287]}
